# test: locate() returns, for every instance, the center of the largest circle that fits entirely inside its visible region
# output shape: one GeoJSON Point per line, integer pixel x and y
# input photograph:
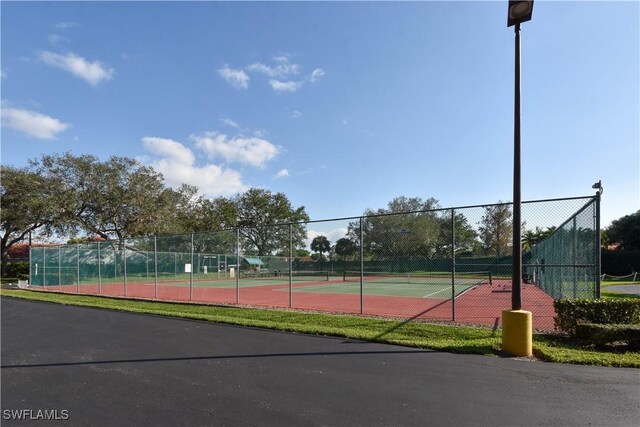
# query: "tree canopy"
{"type": "Point", "coordinates": [496, 230]}
{"type": "Point", "coordinates": [114, 199]}
{"type": "Point", "coordinates": [321, 244]}
{"type": "Point", "coordinates": [27, 206]}
{"type": "Point", "coordinates": [264, 218]}
{"type": "Point", "coordinates": [625, 232]}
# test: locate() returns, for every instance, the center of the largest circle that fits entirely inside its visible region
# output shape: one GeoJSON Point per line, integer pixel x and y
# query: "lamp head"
{"type": "Point", "coordinates": [519, 11]}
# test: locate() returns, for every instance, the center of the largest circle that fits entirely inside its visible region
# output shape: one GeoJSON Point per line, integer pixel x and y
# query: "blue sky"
{"type": "Point", "coordinates": [341, 106]}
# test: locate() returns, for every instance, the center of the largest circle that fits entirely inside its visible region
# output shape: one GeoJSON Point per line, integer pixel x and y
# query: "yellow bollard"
{"type": "Point", "coordinates": [517, 331]}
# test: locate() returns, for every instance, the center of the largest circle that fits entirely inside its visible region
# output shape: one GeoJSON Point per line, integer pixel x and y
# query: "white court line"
{"type": "Point", "coordinates": [433, 293]}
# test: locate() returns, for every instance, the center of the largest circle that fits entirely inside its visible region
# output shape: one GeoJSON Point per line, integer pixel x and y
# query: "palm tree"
{"type": "Point", "coordinates": [321, 245]}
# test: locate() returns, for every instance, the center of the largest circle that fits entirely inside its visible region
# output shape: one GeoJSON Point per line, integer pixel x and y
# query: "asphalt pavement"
{"type": "Point", "coordinates": [96, 367]}
{"type": "Point", "coordinates": [625, 289]}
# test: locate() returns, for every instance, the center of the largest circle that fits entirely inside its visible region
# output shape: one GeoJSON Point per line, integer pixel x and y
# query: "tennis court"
{"type": "Point", "coordinates": [416, 285]}
{"type": "Point", "coordinates": [413, 285]}
{"type": "Point", "coordinates": [441, 264]}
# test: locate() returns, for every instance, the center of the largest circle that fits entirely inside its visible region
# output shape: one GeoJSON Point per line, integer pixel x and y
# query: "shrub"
{"type": "Point", "coordinates": [18, 269]}
{"type": "Point", "coordinates": [602, 311]}
{"type": "Point", "coordinates": [609, 334]}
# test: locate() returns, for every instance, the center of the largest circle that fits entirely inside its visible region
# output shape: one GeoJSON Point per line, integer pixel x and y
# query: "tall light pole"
{"type": "Point", "coordinates": [517, 324]}
{"type": "Point", "coordinates": [519, 11]}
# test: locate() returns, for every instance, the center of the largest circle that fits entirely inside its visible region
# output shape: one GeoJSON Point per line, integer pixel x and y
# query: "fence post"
{"type": "Point", "coordinates": [361, 268]}
{"type": "Point", "coordinates": [124, 257]}
{"type": "Point", "coordinates": [238, 265]}
{"type": "Point", "coordinates": [597, 248]}
{"type": "Point", "coordinates": [453, 265]}
{"type": "Point", "coordinates": [59, 268]}
{"type": "Point", "coordinates": [99, 271]}
{"type": "Point", "coordinates": [78, 268]}
{"type": "Point", "coordinates": [44, 267]}
{"type": "Point", "coordinates": [575, 258]}
{"type": "Point", "coordinates": [191, 272]}
{"type": "Point", "coordinates": [155, 267]}
{"type": "Point", "coordinates": [290, 265]}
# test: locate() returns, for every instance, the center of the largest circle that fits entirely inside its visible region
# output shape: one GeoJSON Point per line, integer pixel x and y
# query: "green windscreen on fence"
{"type": "Point", "coordinates": [563, 264]}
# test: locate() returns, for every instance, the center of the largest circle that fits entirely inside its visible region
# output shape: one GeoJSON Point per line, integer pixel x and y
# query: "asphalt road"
{"type": "Point", "coordinates": [625, 289]}
{"type": "Point", "coordinates": [109, 368]}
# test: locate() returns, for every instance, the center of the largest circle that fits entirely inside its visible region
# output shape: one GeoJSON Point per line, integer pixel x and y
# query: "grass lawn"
{"type": "Point", "coordinates": [457, 339]}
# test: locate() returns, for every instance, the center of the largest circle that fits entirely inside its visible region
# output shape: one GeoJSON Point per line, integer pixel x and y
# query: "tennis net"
{"type": "Point", "coordinates": [283, 275]}
{"type": "Point", "coordinates": [463, 278]}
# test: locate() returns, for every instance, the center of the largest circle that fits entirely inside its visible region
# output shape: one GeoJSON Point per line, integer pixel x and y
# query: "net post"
{"type": "Point", "coordinates": [453, 265]}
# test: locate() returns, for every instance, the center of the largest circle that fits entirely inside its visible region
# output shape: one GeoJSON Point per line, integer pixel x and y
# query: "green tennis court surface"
{"type": "Point", "coordinates": [413, 290]}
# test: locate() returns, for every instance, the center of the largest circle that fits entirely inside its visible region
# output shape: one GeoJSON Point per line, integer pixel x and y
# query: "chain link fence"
{"type": "Point", "coordinates": [450, 265]}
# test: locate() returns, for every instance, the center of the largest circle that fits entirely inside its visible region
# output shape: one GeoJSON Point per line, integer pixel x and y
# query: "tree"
{"type": "Point", "coordinates": [407, 227]}
{"type": "Point", "coordinates": [465, 236]}
{"type": "Point", "coordinates": [118, 198]}
{"type": "Point", "coordinates": [496, 230]}
{"type": "Point", "coordinates": [321, 244]}
{"type": "Point", "coordinates": [625, 232]}
{"type": "Point", "coordinates": [27, 206]}
{"type": "Point", "coordinates": [530, 238]}
{"type": "Point", "coordinates": [345, 248]}
{"type": "Point", "coordinates": [264, 218]}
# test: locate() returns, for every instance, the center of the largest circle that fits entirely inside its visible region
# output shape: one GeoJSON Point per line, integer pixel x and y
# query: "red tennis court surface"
{"type": "Point", "coordinates": [480, 305]}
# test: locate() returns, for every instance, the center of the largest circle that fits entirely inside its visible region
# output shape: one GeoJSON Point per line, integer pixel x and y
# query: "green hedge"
{"type": "Point", "coordinates": [609, 334]}
{"type": "Point", "coordinates": [602, 311]}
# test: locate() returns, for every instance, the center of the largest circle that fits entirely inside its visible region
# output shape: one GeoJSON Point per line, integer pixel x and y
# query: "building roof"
{"type": "Point", "coordinates": [253, 261]}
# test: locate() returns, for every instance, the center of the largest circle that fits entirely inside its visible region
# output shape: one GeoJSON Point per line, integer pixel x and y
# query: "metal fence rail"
{"type": "Point", "coordinates": [449, 264]}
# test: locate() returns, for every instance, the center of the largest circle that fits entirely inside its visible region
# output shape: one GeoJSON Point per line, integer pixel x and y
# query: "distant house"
{"type": "Point", "coordinates": [20, 251]}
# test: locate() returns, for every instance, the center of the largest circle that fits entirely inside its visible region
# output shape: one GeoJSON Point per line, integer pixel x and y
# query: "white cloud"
{"type": "Point", "coordinates": [3, 74]}
{"type": "Point", "coordinates": [170, 149]}
{"type": "Point", "coordinates": [316, 74]}
{"type": "Point", "coordinates": [332, 235]}
{"type": "Point", "coordinates": [176, 163]}
{"type": "Point", "coordinates": [251, 151]}
{"type": "Point", "coordinates": [236, 78]}
{"type": "Point", "coordinates": [55, 39]}
{"type": "Point", "coordinates": [65, 25]}
{"type": "Point", "coordinates": [92, 72]}
{"type": "Point", "coordinates": [229, 122]}
{"type": "Point", "coordinates": [282, 174]}
{"type": "Point", "coordinates": [296, 114]}
{"type": "Point", "coordinates": [34, 124]}
{"type": "Point", "coordinates": [282, 70]}
{"type": "Point", "coordinates": [289, 86]}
